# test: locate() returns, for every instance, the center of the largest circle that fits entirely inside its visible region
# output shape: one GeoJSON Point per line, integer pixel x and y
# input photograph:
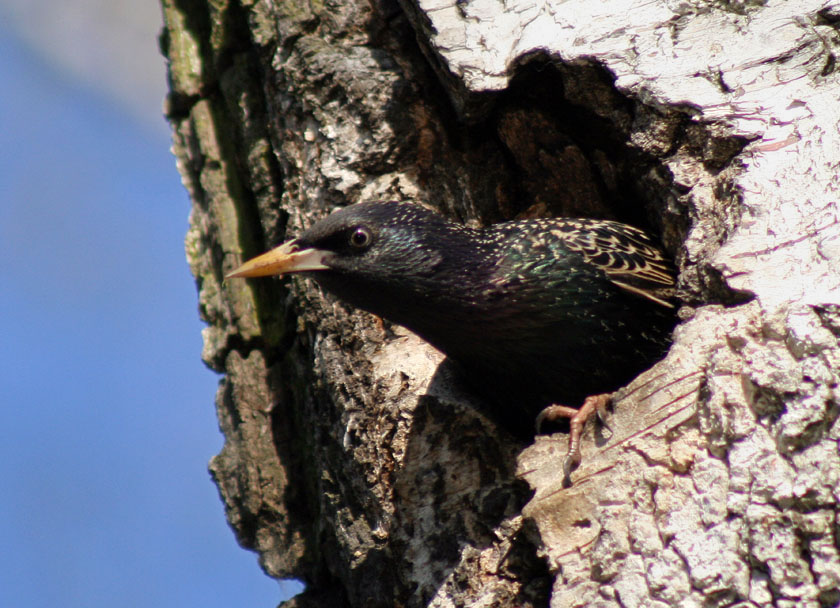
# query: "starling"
{"type": "Point", "coordinates": [535, 312]}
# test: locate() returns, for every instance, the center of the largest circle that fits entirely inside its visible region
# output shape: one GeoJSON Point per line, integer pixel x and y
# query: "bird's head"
{"type": "Point", "coordinates": [370, 254]}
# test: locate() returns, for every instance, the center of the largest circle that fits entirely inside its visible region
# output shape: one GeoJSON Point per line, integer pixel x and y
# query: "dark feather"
{"type": "Point", "coordinates": [626, 254]}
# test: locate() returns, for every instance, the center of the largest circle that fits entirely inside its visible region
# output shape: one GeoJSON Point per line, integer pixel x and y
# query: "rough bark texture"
{"type": "Point", "coordinates": [354, 462]}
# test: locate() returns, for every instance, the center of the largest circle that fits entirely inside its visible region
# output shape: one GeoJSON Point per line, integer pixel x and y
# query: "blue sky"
{"type": "Point", "coordinates": [108, 414]}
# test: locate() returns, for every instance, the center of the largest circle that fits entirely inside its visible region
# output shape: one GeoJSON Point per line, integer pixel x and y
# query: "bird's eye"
{"type": "Point", "coordinates": [360, 238]}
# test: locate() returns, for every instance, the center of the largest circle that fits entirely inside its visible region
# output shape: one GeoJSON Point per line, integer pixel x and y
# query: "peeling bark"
{"type": "Point", "coordinates": [354, 461]}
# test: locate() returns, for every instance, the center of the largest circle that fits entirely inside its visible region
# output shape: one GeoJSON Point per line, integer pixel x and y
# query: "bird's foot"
{"type": "Point", "coordinates": [577, 418]}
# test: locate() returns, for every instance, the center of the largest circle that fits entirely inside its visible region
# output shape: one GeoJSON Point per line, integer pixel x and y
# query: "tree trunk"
{"type": "Point", "coordinates": [354, 461]}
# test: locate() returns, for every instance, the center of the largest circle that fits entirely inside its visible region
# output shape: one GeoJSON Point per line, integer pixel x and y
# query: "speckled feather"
{"type": "Point", "coordinates": [535, 311]}
{"type": "Point", "coordinates": [625, 254]}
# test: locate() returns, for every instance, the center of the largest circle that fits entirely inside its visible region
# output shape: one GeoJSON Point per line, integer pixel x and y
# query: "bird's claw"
{"type": "Point", "coordinates": [569, 465]}
{"type": "Point", "coordinates": [601, 411]}
{"type": "Point", "coordinates": [577, 418]}
{"type": "Point", "coordinates": [554, 412]}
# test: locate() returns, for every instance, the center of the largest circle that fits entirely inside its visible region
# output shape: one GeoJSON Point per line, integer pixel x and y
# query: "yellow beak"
{"type": "Point", "coordinates": [286, 258]}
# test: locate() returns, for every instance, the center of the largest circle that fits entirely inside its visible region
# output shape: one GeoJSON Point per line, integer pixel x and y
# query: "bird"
{"type": "Point", "coordinates": [535, 313]}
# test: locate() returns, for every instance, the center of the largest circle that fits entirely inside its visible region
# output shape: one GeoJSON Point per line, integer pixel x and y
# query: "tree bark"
{"type": "Point", "coordinates": [353, 459]}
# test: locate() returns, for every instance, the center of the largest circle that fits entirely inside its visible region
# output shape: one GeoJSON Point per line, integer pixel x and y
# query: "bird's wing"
{"type": "Point", "coordinates": [627, 256]}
